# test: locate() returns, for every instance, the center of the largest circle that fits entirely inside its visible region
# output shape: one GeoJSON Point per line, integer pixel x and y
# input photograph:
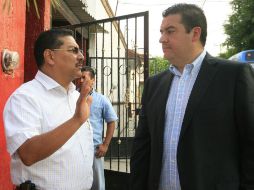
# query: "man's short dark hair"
{"type": "Point", "coordinates": [90, 70]}
{"type": "Point", "coordinates": [49, 40]}
{"type": "Point", "coordinates": [192, 16]}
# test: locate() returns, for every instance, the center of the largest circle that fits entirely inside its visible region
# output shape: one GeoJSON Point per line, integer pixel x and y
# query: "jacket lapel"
{"type": "Point", "coordinates": [206, 74]}
{"type": "Point", "coordinates": [165, 83]}
{"type": "Point", "coordinates": [164, 91]}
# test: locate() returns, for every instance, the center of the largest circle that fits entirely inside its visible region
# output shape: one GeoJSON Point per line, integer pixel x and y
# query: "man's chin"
{"type": "Point", "coordinates": [78, 73]}
{"type": "Point", "coordinates": [167, 56]}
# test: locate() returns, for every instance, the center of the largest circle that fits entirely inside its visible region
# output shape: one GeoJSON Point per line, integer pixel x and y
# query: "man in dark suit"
{"type": "Point", "coordinates": [196, 125]}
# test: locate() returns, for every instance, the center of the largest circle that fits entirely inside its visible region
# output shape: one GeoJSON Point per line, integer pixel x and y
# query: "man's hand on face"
{"type": "Point", "coordinates": [84, 101]}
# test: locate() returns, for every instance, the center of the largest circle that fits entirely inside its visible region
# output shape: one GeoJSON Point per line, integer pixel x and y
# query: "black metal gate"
{"type": "Point", "coordinates": [118, 50]}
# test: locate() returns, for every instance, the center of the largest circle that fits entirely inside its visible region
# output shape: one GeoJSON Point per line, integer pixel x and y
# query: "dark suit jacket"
{"type": "Point", "coordinates": [216, 143]}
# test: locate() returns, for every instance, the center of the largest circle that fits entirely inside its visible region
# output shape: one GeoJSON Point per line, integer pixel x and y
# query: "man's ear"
{"type": "Point", "coordinates": [49, 56]}
{"type": "Point", "coordinates": [196, 34]}
{"type": "Point", "coordinates": [93, 81]}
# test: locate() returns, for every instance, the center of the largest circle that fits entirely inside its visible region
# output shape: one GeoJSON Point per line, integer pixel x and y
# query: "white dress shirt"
{"type": "Point", "coordinates": [35, 108]}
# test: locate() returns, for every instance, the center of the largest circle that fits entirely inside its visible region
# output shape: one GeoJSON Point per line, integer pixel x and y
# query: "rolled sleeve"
{"type": "Point", "coordinates": [21, 120]}
{"type": "Point", "coordinates": [109, 112]}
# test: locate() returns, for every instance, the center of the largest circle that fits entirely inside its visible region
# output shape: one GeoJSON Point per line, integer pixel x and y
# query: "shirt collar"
{"type": "Point", "coordinates": [50, 83]}
{"type": "Point", "coordinates": [194, 66]}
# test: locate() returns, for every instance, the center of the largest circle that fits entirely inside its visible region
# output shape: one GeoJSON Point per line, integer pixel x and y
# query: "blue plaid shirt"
{"type": "Point", "coordinates": [179, 93]}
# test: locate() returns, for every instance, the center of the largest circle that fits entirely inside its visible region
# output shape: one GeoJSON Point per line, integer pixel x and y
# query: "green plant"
{"type": "Point", "coordinates": [7, 5]}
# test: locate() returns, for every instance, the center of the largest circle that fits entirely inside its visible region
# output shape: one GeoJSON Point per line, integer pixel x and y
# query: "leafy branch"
{"type": "Point", "coordinates": [7, 5]}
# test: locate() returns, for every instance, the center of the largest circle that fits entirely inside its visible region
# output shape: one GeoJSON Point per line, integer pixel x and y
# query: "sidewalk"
{"type": "Point", "coordinates": [121, 165]}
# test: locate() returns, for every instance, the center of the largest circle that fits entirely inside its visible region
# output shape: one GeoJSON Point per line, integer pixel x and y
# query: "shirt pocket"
{"type": "Point", "coordinates": [96, 111]}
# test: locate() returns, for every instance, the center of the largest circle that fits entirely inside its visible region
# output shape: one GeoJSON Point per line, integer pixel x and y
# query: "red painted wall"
{"type": "Point", "coordinates": [33, 28]}
{"type": "Point", "coordinates": [12, 37]}
{"type": "Point", "coordinates": [18, 32]}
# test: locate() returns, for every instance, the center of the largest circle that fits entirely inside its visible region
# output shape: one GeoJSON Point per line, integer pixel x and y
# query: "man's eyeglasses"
{"type": "Point", "coordinates": [73, 50]}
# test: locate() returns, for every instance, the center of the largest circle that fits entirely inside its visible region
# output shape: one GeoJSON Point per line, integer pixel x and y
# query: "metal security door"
{"type": "Point", "coordinates": [117, 48]}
